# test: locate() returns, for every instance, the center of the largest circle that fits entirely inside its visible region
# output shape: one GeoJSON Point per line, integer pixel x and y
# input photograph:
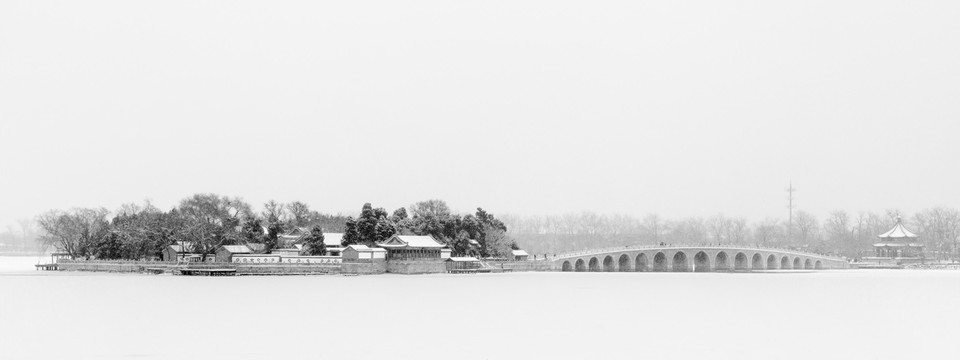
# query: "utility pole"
{"type": "Point", "coordinates": [790, 191]}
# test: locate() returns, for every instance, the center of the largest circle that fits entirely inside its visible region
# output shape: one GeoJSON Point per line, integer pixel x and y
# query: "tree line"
{"type": "Point", "coordinates": [204, 222]}
{"type": "Point", "coordinates": [839, 233]}
{"type": "Point", "coordinates": [433, 217]}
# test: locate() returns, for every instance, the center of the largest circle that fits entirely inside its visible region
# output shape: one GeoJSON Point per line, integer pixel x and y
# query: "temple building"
{"type": "Point", "coordinates": [411, 254]}
{"type": "Point", "coordinates": [414, 247]}
{"type": "Point", "coordinates": [898, 246]}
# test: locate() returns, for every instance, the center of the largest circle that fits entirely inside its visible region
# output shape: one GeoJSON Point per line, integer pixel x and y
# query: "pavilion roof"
{"type": "Point", "coordinates": [411, 241]}
{"type": "Point", "coordinates": [898, 232]}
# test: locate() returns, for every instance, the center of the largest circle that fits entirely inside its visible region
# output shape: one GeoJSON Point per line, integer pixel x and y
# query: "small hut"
{"type": "Point", "coordinates": [520, 255]}
{"type": "Point", "coordinates": [182, 252]}
{"type": "Point", "coordinates": [363, 253]}
{"type": "Point", "coordinates": [225, 253]}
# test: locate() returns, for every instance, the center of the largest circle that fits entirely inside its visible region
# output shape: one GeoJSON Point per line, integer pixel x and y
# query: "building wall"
{"type": "Point", "coordinates": [434, 266]}
{"type": "Point", "coordinates": [116, 266]}
{"type": "Point", "coordinates": [286, 269]}
{"type": "Point", "coordinates": [255, 259]}
{"type": "Point", "coordinates": [223, 255]}
{"type": "Point", "coordinates": [169, 255]}
{"type": "Point", "coordinates": [364, 268]}
{"type": "Point", "coordinates": [529, 265]}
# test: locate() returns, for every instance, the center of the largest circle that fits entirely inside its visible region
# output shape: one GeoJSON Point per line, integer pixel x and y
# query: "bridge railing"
{"type": "Point", "coordinates": [703, 245]}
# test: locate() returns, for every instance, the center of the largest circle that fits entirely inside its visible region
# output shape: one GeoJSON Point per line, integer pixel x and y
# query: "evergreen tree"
{"type": "Point", "coordinates": [385, 229]}
{"type": "Point", "coordinates": [367, 225]}
{"type": "Point", "coordinates": [271, 239]}
{"type": "Point", "coordinates": [252, 231]}
{"type": "Point", "coordinates": [351, 235]}
{"type": "Point", "coordinates": [400, 214]}
{"type": "Point", "coordinates": [314, 242]}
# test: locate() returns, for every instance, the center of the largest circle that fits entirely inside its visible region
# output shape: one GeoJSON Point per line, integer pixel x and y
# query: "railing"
{"type": "Point", "coordinates": [146, 262]}
{"type": "Point", "coordinates": [682, 246]}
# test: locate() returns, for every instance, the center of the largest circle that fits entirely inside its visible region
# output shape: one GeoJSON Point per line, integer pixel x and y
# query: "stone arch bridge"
{"type": "Point", "coordinates": [693, 259]}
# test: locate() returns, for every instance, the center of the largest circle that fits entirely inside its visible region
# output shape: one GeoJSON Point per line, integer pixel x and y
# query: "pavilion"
{"type": "Point", "coordinates": [413, 247]}
{"type": "Point", "coordinates": [410, 254]}
{"type": "Point", "coordinates": [898, 246]}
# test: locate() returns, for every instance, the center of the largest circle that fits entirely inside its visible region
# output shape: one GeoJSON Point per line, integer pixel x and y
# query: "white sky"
{"type": "Point", "coordinates": [531, 107]}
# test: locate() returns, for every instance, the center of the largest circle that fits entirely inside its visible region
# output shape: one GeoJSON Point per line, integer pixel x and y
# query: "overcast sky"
{"type": "Point", "coordinates": [529, 107]}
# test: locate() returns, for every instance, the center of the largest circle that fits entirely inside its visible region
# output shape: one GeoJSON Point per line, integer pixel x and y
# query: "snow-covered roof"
{"type": "Point", "coordinates": [364, 248]}
{"type": "Point", "coordinates": [412, 241]}
{"type": "Point", "coordinates": [898, 232]}
{"type": "Point", "coordinates": [332, 239]}
{"type": "Point", "coordinates": [520, 253]}
{"type": "Point", "coordinates": [462, 258]}
{"type": "Point", "coordinates": [236, 249]}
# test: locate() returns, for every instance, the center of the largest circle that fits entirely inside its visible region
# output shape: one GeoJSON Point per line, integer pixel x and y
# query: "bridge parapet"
{"type": "Point", "coordinates": [694, 258]}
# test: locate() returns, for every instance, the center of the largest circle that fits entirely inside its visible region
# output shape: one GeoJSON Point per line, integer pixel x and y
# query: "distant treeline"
{"type": "Point", "coordinates": [20, 238]}
{"type": "Point", "coordinates": [204, 222]}
{"type": "Point", "coordinates": [840, 233]}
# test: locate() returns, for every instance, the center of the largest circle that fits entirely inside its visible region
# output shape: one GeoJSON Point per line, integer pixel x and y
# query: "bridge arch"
{"type": "Point", "coordinates": [660, 262]}
{"type": "Point", "coordinates": [808, 264]}
{"type": "Point", "coordinates": [594, 264]}
{"type": "Point", "coordinates": [797, 264]}
{"type": "Point", "coordinates": [581, 265]}
{"type": "Point", "coordinates": [722, 263]}
{"type": "Point", "coordinates": [785, 262]}
{"type": "Point", "coordinates": [771, 262]}
{"type": "Point", "coordinates": [701, 262]}
{"type": "Point", "coordinates": [608, 265]}
{"type": "Point", "coordinates": [680, 262]}
{"type": "Point", "coordinates": [566, 266]}
{"type": "Point", "coordinates": [740, 262]}
{"type": "Point", "coordinates": [757, 262]}
{"type": "Point", "coordinates": [641, 262]}
{"type": "Point", "coordinates": [623, 263]}
{"type": "Point", "coordinates": [818, 265]}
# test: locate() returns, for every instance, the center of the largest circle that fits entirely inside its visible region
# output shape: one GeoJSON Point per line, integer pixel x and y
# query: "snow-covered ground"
{"type": "Point", "coordinates": [854, 314]}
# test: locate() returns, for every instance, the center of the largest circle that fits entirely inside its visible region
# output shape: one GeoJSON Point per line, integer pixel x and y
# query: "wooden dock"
{"type": "Point", "coordinates": [48, 267]}
{"type": "Point", "coordinates": [208, 272]}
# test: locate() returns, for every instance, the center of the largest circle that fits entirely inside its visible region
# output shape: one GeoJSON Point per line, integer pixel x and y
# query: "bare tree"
{"type": "Point", "coordinates": [299, 213]}
{"type": "Point", "coordinates": [767, 232]}
{"type": "Point", "coordinates": [719, 227]}
{"type": "Point", "coordinates": [75, 232]}
{"type": "Point", "coordinates": [806, 225]}
{"type": "Point", "coordinates": [939, 228]}
{"type": "Point", "coordinates": [272, 211]}
{"type": "Point", "coordinates": [654, 226]}
{"type": "Point", "coordinates": [837, 229]}
{"type": "Point", "coordinates": [738, 231]}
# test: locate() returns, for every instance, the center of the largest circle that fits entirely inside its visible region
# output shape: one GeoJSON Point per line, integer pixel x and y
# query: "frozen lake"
{"type": "Point", "coordinates": [855, 314]}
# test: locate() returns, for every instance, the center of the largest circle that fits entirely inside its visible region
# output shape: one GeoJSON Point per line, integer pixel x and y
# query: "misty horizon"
{"type": "Point", "coordinates": [527, 107]}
